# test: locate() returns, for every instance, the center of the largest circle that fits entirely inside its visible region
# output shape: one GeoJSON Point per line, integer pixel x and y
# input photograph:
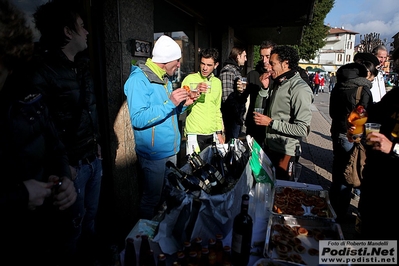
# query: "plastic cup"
{"type": "Point", "coordinates": [193, 90]}
{"type": "Point", "coordinates": [297, 171]}
{"type": "Point", "coordinates": [209, 85]}
{"type": "Point", "coordinates": [259, 110]}
{"type": "Point", "coordinates": [244, 83]}
{"type": "Point", "coordinates": [372, 127]}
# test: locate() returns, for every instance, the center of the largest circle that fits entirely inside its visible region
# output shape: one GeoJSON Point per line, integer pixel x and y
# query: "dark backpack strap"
{"type": "Point", "coordinates": [358, 94]}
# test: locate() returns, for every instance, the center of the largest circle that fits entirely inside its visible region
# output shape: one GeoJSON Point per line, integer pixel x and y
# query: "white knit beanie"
{"type": "Point", "coordinates": [165, 50]}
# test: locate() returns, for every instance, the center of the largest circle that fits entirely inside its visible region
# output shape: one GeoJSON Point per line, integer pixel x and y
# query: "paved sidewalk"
{"type": "Point", "coordinates": [317, 157]}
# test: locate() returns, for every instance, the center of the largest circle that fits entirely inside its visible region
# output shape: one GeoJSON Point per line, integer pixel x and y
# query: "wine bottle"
{"type": "Point", "coordinates": [231, 161]}
{"type": "Point", "coordinates": [161, 260]}
{"type": "Point", "coordinates": [217, 160]}
{"type": "Point", "coordinates": [190, 182]}
{"type": "Point", "coordinates": [146, 255]}
{"type": "Point", "coordinates": [242, 234]}
{"type": "Point", "coordinates": [207, 172]}
{"type": "Point", "coordinates": [130, 253]}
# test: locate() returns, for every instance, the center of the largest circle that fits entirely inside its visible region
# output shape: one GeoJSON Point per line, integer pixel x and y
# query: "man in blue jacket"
{"type": "Point", "coordinates": [154, 109]}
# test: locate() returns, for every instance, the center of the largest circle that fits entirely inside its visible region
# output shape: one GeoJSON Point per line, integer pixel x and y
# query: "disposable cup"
{"type": "Point", "coordinates": [209, 85]}
{"type": "Point", "coordinates": [244, 83]}
{"type": "Point", "coordinates": [372, 127]}
{"type": "Point", "coordinates": [259, 110]}
{"type": "Point", "coordinates": [193, 90]}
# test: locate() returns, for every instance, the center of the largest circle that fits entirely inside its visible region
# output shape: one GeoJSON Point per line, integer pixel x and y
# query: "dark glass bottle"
{"type": "Point", "coordinates": [197, 246]}
{"type": "Point", "coordinates": [193, 261]}
{"type": "Point", "coordinates": [242, 234]}
{"type": "Point", "coordinates": [161, 260]}
{"type": "Point", "coordinates": [219, 249]}
{"type": "Point", "coordinates": [190, 182]}
{"type": "Point", "coordinates": [146, 255]}
{"type": "Point", "coordinates": [130, 253]}
{"type": "Point", "coordinates": [181, 258]}
{"type": "Point", "coordinates": [212, 251]}
{"type": "Point", "coordinates": [187, 250]}
{"type": "Point", "coordinates": [226, 255]}
{"type": "Point", "coordinates": [217, 160]}
{"type": "Point", "coordinates": [231, 162]}
{"type": "Point", "coordinates": [204, 261]}
{"type": "Point", "coordinates": [206, 172]}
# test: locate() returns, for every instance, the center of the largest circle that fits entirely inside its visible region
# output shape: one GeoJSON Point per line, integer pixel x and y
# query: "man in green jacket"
{"type": "Point", "coordinates": [288, 115]}
{"type": "Point", "coordinates": [204, 122]}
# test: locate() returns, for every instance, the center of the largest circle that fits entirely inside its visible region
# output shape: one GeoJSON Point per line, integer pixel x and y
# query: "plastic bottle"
{"type": "Point", "coordinates": [357, 118]}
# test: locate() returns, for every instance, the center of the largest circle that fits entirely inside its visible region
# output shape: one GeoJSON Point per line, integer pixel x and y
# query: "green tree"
{"type": "Point", "coordinates": [315, 33]}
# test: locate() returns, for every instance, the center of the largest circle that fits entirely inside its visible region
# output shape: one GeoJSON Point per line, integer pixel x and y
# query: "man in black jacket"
{"type": "Point", "coordinates": [253, 87]}
{"type": "Point", "coordinates": [36, 190]}
{"type": "Point", "coordinates": [64, 79]}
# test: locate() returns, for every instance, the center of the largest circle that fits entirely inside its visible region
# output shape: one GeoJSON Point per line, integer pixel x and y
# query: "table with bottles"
{"type": "Point", "coordinates": [260, 223]}
{"type": "Point", "coordinates": [244, 184]}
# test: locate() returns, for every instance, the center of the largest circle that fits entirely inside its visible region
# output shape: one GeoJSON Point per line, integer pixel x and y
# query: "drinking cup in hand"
{"type": "Point", "coordinates": [259, 110]}
{"type": "Point", "coordinates": [193, 90]}
{"type": "Point", "coordinates": [372, 127]}
{"type": "Point", "coordinates": [244, 83]}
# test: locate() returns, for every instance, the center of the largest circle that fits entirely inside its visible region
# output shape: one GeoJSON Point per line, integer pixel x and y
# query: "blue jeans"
{"type": "Point", "coordinates": [340, 190]}
{"type": "Point", "coordinates": [154, 174]}
{"type": "Point", "coordinates": [87, 185]}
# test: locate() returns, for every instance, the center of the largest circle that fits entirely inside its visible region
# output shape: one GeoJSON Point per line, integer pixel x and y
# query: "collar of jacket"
{"type": "Point", "coordinates": [285, 76]}
{"type": "Point", "coordinates": [153, 72]}
{"type": "Point", "coordinates": [208, 77]}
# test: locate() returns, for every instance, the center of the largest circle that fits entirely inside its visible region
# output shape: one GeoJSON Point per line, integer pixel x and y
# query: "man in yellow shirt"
{"type": "Point", "coordinates": [204, 122]}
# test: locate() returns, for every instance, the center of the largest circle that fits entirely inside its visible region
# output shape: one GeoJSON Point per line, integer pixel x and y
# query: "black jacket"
{"type": "Point", "coordinates": [69, 92]}
{"type": "Point", "coordinates": [343, 97]}
{"type": "Point", "coordinates": [30, 147]}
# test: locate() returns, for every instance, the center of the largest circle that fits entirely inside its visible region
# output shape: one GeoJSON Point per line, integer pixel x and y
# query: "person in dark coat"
{"type": "Point", "coordinates": [63, 76]}
{"type": "Point", "coordinates": [234, 96]}
{"type": "Point", "coordinates": [254, 85]}
{"type": "Point", "coordinates": [342, 102]}
{"type": "Point", "coordinates": [37, 190]}
{"type": "Point", "coordinates": [382, 159]}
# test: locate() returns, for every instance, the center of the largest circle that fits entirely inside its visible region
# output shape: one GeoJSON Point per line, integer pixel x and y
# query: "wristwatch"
{"type": "Point", "coordinates": [271, 123]}
{"type": "Point", "coordinates": [395, 150]}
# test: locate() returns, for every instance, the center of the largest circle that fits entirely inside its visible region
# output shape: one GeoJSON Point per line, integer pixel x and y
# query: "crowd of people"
{"type": "Point", "coordinates": [51, 142]}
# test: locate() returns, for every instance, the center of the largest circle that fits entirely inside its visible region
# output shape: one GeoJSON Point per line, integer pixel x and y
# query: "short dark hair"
{"type": "Point", "coordinates": [267, 44]}
{"type": "Point", "coordinates": [16, 38]}
{"type": "Point", "coordinates": [286, 52]}
{"type": "Point", "coordinates": [51, 18]}
{"type": "Point", "coordinates": [209, 53]}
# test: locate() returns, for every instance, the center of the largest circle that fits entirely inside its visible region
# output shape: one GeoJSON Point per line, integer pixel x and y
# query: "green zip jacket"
{"type": "Point", "coordinates": [204, 116]}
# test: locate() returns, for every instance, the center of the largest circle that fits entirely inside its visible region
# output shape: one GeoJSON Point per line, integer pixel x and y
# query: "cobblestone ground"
{"type": "Point", "coordinates": [317, 161]}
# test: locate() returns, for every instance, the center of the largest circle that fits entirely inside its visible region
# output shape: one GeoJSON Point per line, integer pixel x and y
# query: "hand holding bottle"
{"type": "Point", "coordinates": [64, 192]}
{"type": "Point", "coordinates": [357, 118]}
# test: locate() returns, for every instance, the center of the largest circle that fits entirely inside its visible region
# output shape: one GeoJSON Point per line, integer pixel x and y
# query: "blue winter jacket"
{"type": "Point", "coordinates": [153, 115]}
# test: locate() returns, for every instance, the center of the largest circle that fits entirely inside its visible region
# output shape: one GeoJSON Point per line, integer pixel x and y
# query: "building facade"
{"type": "Point", "coordinates": [338, 50]}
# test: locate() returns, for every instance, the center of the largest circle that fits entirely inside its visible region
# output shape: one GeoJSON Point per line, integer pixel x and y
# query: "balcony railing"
{"type": "Point", "coordinates": [333, 39]}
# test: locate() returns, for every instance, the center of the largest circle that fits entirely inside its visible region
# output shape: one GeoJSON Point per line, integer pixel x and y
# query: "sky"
{"type": "Point", "coordinates": [366, 16]}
